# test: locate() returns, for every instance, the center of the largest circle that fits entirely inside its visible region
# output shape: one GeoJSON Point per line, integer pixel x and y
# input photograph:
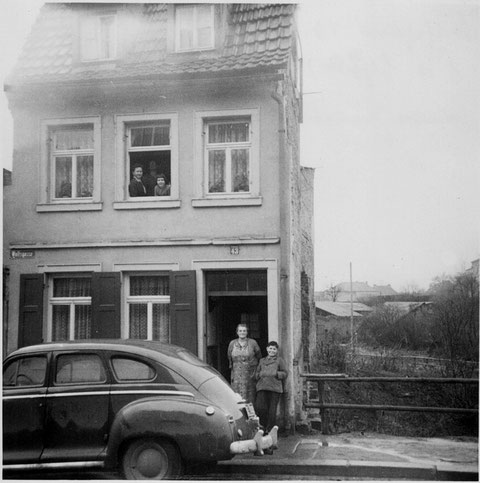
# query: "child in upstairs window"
{"type": "Point", "coordinates": [270, 374]}
{"type": "Point", "coordinates": [162, 188]}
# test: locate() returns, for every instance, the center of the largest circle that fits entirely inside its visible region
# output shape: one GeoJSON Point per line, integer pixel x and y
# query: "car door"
{"type": "Point", "coordinates": [24, 390]}
{"type": "Point", "coordinates": [135, 378]}
{"type": "Point", "coordinates": [77, 411]}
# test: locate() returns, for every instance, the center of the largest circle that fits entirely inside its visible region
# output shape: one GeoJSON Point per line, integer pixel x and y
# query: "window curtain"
{"type": "Point", "coordinates": [240, 173]}
{"type": "Point", "coordinates": [60, 322]}
{"type": "Point", "coordinates": [216, 171]}
{"type": "Point", "coordinates": [83, 322]}
{"type": "Point", "coordinates": [72, 287]}
{"type": "Point", "coordinates": [138, 321]}
{"type": "Point", "coordinates": [84, 176]}
{"type": "Point", "coordinates": [149, 285]}
{"type": "Point", "coordinates": [228, 132]}
{"type": "Point", "coordinates": [161, 322]}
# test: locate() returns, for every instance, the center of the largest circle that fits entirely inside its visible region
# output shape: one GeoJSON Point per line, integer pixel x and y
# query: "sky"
{"type": "Point", "coordinates": [391, 126]}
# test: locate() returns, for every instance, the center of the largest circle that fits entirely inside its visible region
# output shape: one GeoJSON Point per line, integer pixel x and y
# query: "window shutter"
{"type": "Point", "coordinates": [106, 305]}
{"type": "Point", "coordinates": [183, 310]}
{"type": "Point", "coordinates": [30, 323]}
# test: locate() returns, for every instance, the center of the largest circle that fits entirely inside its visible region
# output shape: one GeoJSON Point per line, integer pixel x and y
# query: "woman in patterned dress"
{"type": "Point", "coordinates": [243, 356]}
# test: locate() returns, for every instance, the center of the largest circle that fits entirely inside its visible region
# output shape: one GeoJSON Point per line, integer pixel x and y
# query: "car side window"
{"type": "Point", "coordinates": [79, 369]}
{"type": "Point", "coordinates": [27, 371]}
{"type": "Point", "coordinates": [126, 369]}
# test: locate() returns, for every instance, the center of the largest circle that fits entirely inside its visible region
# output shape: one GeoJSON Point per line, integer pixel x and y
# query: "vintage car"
{"type": "Point", "coordinates": [143, 408]}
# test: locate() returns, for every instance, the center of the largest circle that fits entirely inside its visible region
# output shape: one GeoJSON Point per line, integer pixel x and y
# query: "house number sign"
{"type": "Point", "coordinates": [234, 250]}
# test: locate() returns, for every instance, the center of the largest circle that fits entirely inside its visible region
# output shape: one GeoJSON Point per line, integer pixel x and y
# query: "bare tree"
{"type": "Point", "coordinates": [333, 292]}
{"type": "Point", "coordinates": [456, 320]}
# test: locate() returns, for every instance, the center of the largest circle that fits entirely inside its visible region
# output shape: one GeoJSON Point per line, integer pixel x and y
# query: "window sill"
{"type": "Point", "coordinates": [214, 202]}
{"type": "Point", "coordinates": [73, 206]}
{"type": "Point", "coordinates": [146, 205]}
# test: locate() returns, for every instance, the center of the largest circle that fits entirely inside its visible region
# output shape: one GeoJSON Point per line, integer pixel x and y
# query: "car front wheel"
{"type": "Point", "coordinates": [151, 459]}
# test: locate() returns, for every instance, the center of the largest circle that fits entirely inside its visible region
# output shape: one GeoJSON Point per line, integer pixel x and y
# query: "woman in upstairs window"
{"type": "Point", "coordinates": [162, 188]}
{"type": "Point", "coordinates": [136, 186]}
{"type": "Point", "coordinates": [243, 356]}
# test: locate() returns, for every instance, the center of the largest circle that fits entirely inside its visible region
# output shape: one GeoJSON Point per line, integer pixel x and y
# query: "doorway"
{"type": "Point", "coordinates": [234, 297]}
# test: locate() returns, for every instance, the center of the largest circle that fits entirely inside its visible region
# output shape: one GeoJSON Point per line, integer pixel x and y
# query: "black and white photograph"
{"type": "Point", "coordinates": [240, 240]}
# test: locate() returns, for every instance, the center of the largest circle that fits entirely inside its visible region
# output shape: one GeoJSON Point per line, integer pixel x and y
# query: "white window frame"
{"type": "Point", "coordinates": [73, 154]}
{"type": "Point", "coordinates": [46, 175]}
{"type": "Point", "coordinates": [122, 166]}
{"type": "Point", "coordinates": [202, 197]}
{"type": "Point", "coordinates": [94, 22]}
{"type": "Point", "coordinates": [227, 148]}
{"type": "Point", "coordinates": [142, 299]}
{"type": "Point", "coordinates": [72, 302]}
{"type": "Point", "coordinates": [195, 46]}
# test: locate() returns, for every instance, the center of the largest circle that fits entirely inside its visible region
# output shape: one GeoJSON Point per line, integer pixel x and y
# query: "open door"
{"type": "Point", "coordinates": [234, 297]}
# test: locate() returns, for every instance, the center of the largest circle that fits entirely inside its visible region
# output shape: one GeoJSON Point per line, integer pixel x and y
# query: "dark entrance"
{"type": "Point", "coordinates": [234, 297]}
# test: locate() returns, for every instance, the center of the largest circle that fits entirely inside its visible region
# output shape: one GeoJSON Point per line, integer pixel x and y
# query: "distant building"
{"type": "Point", "coordinates": [336, 317]}
{"type": "Point", "coordinates": [475, 268]}
{"type": "Point", "coordinates": [385, 290]}
{"type": "Point", "coordinates": [7, 177]}
{"type": "Point", "coordinates": [360, 290]}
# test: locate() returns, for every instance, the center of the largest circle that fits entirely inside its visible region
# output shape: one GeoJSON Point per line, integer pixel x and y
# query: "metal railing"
{"type": "Point", "coordinates": [320, 379]}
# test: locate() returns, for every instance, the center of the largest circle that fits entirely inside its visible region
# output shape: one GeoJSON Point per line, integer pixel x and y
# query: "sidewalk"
{"type": "Point", "coordinates": [367, 456]}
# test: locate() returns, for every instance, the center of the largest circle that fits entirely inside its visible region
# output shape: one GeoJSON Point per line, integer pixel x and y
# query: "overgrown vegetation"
{"type": "Point", "coordinates": [447, 328]}
{"type": "Point", "coordinates": [441, 341]}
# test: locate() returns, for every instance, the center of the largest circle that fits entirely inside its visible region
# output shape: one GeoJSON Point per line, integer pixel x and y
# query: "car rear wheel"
{"type": "Point", "coordinates": [151, 459]}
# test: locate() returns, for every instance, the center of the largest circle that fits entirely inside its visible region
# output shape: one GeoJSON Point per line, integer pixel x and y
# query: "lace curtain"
{"type": "Point", "coordinates": [216, 171]}
{"type": "Point", "coordinates": [71, 288]}
{"type": "Point", "coordinates": [149, 285]}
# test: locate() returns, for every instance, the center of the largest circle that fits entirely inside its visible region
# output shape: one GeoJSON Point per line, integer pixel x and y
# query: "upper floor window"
{"type": "Point", "coordinates": [70, 158]}
{"type": "Point", "coordinates": [149, 159]}
{"type": "Point", "coordinates": [147, 166]}
{"type": "Point", "coordinates": [72, 153]}
{"type": "Point", "coordinates": [228, 152]}
{"type": "Point", "coordinates": [98, 38]}
{"type": "Point", "coordinates": [194, 27]}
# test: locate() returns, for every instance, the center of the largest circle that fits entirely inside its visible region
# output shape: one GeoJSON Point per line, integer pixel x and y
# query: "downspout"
{"type": "Point", "coordinates": [286, 279]}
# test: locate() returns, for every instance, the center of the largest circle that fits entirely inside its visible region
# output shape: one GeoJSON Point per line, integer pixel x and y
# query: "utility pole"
{"type": "Point", "coordinates": [352, 341]}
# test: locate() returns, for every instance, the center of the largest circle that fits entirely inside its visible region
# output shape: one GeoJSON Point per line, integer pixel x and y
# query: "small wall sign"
{"type": "Point", "coordinates": [234, 250]}
{"type": "Point", "coordinates": [15, 254]}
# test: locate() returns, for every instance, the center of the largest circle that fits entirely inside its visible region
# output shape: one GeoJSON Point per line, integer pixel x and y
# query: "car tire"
{"type": "Point", "coordinates": [151, 459]}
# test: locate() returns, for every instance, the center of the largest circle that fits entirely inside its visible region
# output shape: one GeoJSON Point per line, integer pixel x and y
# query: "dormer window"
{"type": "Point", "coordinates": [194, 27]}
{"type": "Point", "coordinates": [98, 38]}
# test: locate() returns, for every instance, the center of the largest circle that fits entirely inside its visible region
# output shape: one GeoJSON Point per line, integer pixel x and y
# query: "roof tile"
{"type": "Point", "coordinates": [258, 35]}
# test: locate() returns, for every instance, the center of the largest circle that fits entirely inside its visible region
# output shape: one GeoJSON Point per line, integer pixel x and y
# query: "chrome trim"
{"type": "Point", "coordinates": [25, 396]}
{"type": "Point", "coordinates": [103, 393]}
{"type": "Point", "coordinates": [151, 391]}
{"type": "Point", "coordinates": [39, 466]}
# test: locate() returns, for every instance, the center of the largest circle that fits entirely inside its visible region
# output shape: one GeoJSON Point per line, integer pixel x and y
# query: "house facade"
{"type": "Point", "coordinates": [107, 97]}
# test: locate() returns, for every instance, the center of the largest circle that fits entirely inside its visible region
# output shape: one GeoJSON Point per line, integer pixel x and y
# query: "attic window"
{"type": "Point", "coordinates": [194, 27]}
{"type": "Point", "coordinates": [98, 38]}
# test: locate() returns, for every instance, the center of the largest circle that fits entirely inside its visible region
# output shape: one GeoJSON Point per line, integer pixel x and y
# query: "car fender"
{"type": "Point", "coordinates": [200, 435]}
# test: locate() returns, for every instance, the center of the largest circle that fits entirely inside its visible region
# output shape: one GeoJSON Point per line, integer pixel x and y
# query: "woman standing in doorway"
{"type": "Point", "coordinates": [243, 356]}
